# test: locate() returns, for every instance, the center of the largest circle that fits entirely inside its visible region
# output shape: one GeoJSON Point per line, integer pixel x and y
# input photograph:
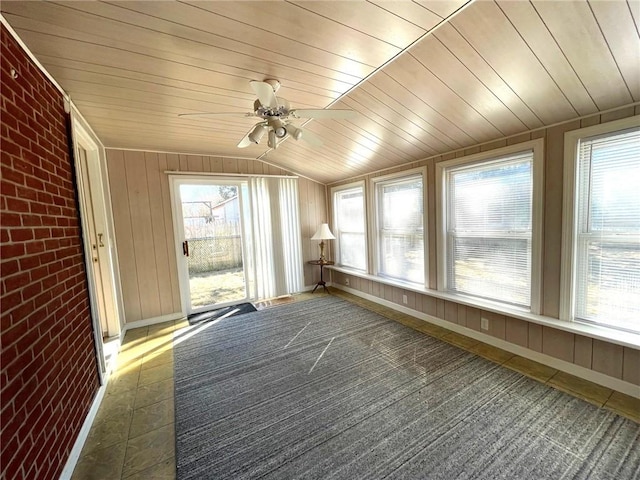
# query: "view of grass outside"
{"type": "Point", "coordinates": [216, 287]}
{"type": "Point", "coordinates": [211, 218]}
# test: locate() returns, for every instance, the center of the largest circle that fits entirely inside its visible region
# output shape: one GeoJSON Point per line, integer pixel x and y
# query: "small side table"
{"type": "Point", "coordinates": [322, 264]}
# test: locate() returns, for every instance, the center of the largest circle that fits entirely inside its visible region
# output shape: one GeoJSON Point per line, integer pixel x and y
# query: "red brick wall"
{"type": "Point", "coordinates": [48, 373]}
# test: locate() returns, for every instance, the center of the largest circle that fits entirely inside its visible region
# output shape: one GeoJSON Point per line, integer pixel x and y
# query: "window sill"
{"type": "Point", "coordinates": [625, 339]}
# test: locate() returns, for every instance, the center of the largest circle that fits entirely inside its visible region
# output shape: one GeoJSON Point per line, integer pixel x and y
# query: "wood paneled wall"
{"type": "Point", "coordinates": [603, 357]}
{"type": "Point", "coordinates": [144, 228]}
{"type": "Point", "coordinates": [610, 359]}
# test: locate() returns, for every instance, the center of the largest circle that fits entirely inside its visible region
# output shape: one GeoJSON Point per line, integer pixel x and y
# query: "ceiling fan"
{"type": "Point", "coordinates": [275, 113]}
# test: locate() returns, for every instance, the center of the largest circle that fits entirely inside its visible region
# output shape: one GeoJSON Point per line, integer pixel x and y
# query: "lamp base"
{"type": "Point", "coordinates": [322, 257]}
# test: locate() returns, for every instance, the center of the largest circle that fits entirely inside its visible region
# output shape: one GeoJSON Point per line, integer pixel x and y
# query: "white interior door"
{"type": "Point", "coordinates": [96, 239]}
{"type": "Point", "coordinates": [211, 242]}
{"type": "Point", "coordinates": [99, 252]}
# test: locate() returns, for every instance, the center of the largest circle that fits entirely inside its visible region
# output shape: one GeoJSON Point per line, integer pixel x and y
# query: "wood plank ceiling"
{"type": "Point", "coordinates": [425, 77]}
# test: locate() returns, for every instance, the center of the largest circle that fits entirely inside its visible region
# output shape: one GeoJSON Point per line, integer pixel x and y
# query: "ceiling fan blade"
{"type": "Point", "coordinates": [217, 114]}
{"type": "Point", "coordinates": [318, 113]}
{"type": "Point", "coordinates": [311, 138]}
{"type": "Point", "coordinates": [246, 141]}
{"type": "Point", "coordinates": [265, 94]}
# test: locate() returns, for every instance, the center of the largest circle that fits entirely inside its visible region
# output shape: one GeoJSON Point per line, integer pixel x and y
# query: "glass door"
{"type": "Point", "coordinates": [211, 243]}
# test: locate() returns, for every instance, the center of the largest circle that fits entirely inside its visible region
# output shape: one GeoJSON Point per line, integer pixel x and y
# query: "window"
{"type": "Point", "coordinates": [490, 226]}
{"type": "Point", "coordinates": [400, 228]}
{"type": "Point", "coordinates": [603, 237]}
{"type": "Point", "coordinates": [349, 226]}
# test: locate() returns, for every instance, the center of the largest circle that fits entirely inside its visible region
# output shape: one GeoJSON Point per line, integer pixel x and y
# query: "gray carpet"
{"type": "Point", "coordinates": [324, 389]}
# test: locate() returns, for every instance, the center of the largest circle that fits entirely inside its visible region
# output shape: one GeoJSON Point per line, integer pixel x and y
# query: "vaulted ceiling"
{"type": "Point", "coordinates": [424, 77]}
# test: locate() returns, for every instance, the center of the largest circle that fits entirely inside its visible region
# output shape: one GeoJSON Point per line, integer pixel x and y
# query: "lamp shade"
{"type": "Point", "coordinates": [323, 233]}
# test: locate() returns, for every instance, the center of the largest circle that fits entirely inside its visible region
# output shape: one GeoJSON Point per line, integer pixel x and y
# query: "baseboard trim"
{"type": "Point", "coordinates": [562, 365]}
{"type": "Point", "coordinates": [151, 321]}
{"type": "Point", "coordinates": [74, 455]}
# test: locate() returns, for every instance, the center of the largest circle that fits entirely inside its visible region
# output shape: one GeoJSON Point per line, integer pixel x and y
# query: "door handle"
{"type": "Point", "coordinates": [185, 248]}
{"type": "Point", "coordinates": [100, 240]}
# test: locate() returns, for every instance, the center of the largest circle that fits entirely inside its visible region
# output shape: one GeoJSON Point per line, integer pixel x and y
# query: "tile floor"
{"type": "Point", "coordinates": [132, 436]}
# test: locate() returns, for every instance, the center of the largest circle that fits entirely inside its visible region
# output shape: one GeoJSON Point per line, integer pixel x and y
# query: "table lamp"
{"type": "Point", "coordinates": [323, 234]}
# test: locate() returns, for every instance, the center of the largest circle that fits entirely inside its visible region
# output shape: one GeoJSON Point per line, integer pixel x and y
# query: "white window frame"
{"type": "Point", "coordinates": [537, 146]}
{"type": "Point", "coordinates": [336, 229]}
{"type": "Point", "coordinates": [570, 206]}
{"type": "Point", "coordinates": [374, 231]}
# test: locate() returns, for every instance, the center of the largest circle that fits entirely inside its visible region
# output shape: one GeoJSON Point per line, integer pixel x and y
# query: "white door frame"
{"type": "Point", "coordinates": [178, 231]}
{"type": "Point", "coordinates": [103, 292]}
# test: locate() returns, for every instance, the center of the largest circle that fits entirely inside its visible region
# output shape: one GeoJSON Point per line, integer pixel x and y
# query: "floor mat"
{"type": "Point", "coordinates": [201, 317]}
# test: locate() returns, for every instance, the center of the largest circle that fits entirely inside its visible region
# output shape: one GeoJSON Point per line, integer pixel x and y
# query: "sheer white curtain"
{"type": "Point", "coordinates": [275, 236]}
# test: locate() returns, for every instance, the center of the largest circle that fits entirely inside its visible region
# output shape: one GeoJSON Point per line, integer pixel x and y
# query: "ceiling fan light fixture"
{"type": "Point", "coordinates": [273, 141]}
{"type": "Point", "coordinates": [275, 113]}
{"type": "Point", "coordinates": [294, 131]}
{"type": "Point", "coordinates": [256, 135]}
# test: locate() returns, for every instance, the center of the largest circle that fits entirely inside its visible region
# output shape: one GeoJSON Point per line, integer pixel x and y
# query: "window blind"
{"type": "Point", "coordinates": [489, 229]}
{"type": "Point", "coordinates": [276, 236]}
{"type": "Point", "coordinates": [350, 228]}
{"type": "Point", "coordinates": [607, 259]}
{"type": "Point", "coordinates": [400, 229]}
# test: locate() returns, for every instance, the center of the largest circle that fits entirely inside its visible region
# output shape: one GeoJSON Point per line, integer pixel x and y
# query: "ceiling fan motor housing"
{"type": "Point", "coordinates": [266, 111]}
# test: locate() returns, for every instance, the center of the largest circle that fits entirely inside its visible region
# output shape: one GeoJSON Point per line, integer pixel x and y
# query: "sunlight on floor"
{"type": "Point", "coordinates": [133, 435]}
